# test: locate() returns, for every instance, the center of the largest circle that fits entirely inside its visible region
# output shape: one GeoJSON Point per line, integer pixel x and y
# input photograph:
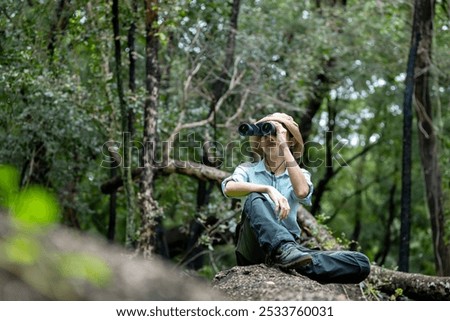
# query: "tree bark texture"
{"type": "Point", "coordinates": [415, 286]}
{"type": "Point", "coordinates": [126, 130]}
{"type": "Point", "coordinates": [149, 206]}
{"type": "Point", "coordinates": [428, 140]}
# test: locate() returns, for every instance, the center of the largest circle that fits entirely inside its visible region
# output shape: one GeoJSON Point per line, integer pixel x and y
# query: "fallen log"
{"type": "Point", "coordinates": [413, 285]}
{"type": "Point", "coordinates": [188, 168]}
{"type": "Point", "coordinates": [59, 263]}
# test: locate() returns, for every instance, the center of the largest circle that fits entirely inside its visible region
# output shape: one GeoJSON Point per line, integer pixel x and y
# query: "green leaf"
{"type": "Point", "coordinates": [35, 206]}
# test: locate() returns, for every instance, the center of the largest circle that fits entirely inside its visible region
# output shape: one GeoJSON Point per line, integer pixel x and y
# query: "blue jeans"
{"type": "Point", "coordinates": [270, 234]}
{"type": "Point", "coordinates": [336, 266]}
{"type": "Point", "coordinates": [259, 234]}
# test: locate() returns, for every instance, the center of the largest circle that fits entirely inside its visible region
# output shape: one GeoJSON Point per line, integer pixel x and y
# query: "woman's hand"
{"type": "Point", "coordinates": [282, 207]}
{"type": "Point", "coordinates": [282, 134]}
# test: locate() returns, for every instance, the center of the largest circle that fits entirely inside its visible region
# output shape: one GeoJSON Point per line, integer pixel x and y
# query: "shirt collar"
{"type": "Point", "coordinates": [261, 168]}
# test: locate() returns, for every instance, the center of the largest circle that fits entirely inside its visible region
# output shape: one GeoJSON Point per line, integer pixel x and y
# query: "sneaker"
{"type": "Point", "coordinates": [288, 256]}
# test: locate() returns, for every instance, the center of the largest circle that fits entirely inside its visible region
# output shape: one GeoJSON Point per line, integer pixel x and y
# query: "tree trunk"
{"type": "Point", "coordinates": [330, 159]}
{"type": "Point", "coordinates": [405, 214]}
{"type": "Point", "coordinates": [124, 113]}
{"type": "Point", "coordinates": [320, 90]}
{"type": "Point", "coordinates": [329, 169]}
{"type": "Point", "coordinates": [132, 68]}
{"type": "Point", "coordinates": [149, 208]}
{"type": "Point", "coordinates": [380, 256]}
{"type": "Point", "coordinates": [358, 201]}
{"type": "Point", "coordinates": [112, 210]}
{"type": "Point", "coordinates": [428, 141]}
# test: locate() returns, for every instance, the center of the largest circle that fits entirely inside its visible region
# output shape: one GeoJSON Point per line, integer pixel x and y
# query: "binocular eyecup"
{"type": "Point", "coordinates": [260, 129]}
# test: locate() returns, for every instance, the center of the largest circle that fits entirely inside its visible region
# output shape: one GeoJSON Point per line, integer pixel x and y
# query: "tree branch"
{"type": "Point", "coordinates": [188, 168]}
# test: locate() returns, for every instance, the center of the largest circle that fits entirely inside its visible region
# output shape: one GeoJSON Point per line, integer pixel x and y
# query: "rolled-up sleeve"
{"type": "Point", "coordinates": [240, 175]}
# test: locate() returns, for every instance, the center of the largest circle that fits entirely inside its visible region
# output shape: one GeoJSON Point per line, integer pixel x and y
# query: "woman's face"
{"type": "Point", "coordinates": [269, 145]}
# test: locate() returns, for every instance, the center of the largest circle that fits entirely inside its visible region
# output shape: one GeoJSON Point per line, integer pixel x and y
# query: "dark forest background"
{"type": "Point", "coordinates": [127, 112]}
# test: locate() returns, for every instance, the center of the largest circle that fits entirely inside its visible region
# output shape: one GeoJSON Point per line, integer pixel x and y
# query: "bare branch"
{"type": "Point", "coordinates": [239, 111]}
{"type": "Point", "coordinates": [235, 80]}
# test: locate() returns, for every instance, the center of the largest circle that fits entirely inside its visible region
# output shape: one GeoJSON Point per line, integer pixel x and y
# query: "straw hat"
{"type": "Point", "coordinates": [291, 126]}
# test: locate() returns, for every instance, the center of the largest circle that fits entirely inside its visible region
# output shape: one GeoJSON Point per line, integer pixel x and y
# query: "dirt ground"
{"type": "Point", "coordinates": [262, 283]}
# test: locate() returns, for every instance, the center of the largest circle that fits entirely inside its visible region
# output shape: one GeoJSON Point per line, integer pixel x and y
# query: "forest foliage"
{"type": "Point", "coordinates": [61, 121]}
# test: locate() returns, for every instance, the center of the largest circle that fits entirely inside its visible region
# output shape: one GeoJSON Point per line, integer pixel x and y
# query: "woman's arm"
{"type": "Point", "coordinates": [239, 189]}
{"type": "Point", "coordinates": [298, 180]}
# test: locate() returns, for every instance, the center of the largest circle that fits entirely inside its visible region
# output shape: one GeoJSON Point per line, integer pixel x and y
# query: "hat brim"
{"type": "Point", "coordinates": [291, 126]}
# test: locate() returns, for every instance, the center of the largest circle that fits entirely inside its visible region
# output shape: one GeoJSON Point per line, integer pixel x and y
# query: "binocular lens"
{"type": "Point", "coordinates": [247, 129]}
{"type": "Point", "coordinates": [261, 129]}
{"type": "Point", "coordinates": [268, 128]}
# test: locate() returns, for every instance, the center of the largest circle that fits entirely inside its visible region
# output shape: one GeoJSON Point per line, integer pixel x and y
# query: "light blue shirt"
{"type": "Point", "coordinates": [258, 174]}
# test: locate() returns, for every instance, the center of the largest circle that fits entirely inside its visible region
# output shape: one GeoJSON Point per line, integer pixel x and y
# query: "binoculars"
{"type": "Point", "coordinates": [260, 129]}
